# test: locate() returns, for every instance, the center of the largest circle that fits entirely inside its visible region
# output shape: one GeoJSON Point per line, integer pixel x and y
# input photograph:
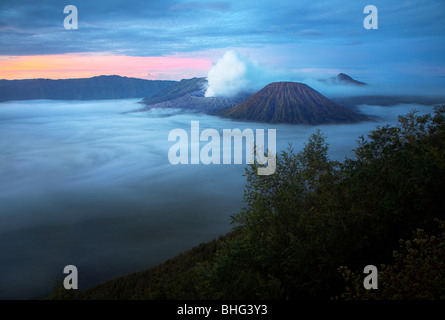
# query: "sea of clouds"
{"type": "Point", "coordinates": [88, 184]}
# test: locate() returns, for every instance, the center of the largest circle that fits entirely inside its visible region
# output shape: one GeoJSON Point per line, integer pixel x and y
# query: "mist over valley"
{"type": "Point", "coordinates": [89, 183]}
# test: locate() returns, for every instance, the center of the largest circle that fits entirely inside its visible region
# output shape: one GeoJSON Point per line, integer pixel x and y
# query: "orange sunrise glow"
{"type": "Point", "coordinates": [66, 66]}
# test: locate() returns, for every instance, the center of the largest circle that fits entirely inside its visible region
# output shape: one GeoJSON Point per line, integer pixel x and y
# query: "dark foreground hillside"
{"type": "Point", "coordinates": [308, 230]}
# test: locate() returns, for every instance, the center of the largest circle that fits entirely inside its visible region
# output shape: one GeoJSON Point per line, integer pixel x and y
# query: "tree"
{"type": "Point", "coordinates": [314, 215]}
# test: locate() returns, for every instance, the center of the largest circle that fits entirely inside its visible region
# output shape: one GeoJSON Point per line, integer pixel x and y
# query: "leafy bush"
{"type": "Point", "coordinates": [313, 215]}
{"type": "Point", "coordinates": [418, 272]}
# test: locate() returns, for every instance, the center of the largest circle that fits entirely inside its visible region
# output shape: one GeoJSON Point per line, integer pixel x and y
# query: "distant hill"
{"type": "Point", "coordinates": [192, 86]}
{"type": "Point", "coordinates": [95, 88]}
{"type": "Point", "coordinates": [291, 102]}
{"type": "Point", "coordinates": [343, 79]}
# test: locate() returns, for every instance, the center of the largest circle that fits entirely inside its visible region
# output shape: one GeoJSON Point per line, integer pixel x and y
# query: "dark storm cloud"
{"type": "Point", "coordinates": [136, 27]}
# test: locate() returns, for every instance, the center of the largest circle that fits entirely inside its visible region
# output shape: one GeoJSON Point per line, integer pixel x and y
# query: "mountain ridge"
{"type": "Point", "coordinates": [94, 88]}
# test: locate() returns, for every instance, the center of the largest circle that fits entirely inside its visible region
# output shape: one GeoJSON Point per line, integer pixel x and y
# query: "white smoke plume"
{"type": "Point", "coordinates": [232, 74]}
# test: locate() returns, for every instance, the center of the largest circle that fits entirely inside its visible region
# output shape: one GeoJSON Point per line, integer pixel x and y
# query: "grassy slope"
{"type": "Point", "coordinates": [173, 279]}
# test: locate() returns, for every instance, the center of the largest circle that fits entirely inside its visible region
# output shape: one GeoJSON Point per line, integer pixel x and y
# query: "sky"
{"type": "Point", "coordinates": [183, 39]}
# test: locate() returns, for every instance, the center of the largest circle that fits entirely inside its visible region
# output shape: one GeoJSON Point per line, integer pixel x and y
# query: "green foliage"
{"type": "Point", "coordinates": [314, 214]}
{"type": "Point", "coordinates": [278, 234]}
{"type": "Point", "coordinates": [418, 272]}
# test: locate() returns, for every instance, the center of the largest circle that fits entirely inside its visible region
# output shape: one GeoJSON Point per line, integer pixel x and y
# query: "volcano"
{"type": "Point", "coordinates": [189, 94]}
{"type": "Point", "coordinates": [194, 86]}
{"type": "Point", "coordinates": [291, 102]}
{"type": "Point", "coordinates": [345, 79]}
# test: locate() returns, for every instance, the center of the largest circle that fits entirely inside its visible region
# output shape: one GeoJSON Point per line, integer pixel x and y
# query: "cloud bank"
{"type": "Point", "coordinates": [235, 73]}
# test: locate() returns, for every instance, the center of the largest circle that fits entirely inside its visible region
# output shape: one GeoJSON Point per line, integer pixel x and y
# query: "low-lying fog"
{"type": "Point", "coordinates": [87, 184]}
